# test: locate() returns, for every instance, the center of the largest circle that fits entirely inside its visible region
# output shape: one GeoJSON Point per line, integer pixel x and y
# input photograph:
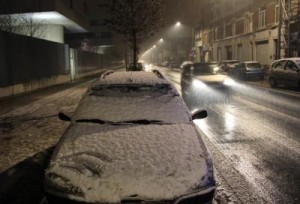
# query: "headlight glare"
{"type": "Point", "coordinates": [229, 82]}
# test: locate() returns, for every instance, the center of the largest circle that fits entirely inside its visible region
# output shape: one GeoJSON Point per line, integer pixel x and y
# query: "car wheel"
{"type": "Point", "coordinates": [273, 82]}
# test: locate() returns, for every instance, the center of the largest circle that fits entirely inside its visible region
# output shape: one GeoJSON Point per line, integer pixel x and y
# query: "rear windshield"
{"type": "Point", "coordinates": [132, 89]}
{"type": "Point", "coordinates": [253, 65]}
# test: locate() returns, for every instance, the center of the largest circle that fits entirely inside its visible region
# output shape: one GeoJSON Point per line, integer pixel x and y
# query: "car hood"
{"type": "Point", "coordinates": [218, 78]}
{"type": "Point", "coordinates": [108, 163]}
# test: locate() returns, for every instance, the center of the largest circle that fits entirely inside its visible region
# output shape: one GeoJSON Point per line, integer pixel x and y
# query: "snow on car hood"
{"type": "Point", "coordinates": [212, 78]}
{"type": "Point", "coordinates": [109, 163]}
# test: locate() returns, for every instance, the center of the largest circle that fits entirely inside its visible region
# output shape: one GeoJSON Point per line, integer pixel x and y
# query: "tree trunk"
{"type": "Point", "coordinates": [134, 49]}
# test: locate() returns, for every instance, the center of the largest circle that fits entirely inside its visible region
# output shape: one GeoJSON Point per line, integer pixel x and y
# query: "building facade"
{"type": "Point", "coordinates": [248, 30]}
{"type": "Point", "coordinates": [45, 19]}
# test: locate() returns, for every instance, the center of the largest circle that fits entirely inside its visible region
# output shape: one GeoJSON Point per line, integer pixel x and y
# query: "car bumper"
{"type": "Point", "coordinates": [255, 74]}
{"type": "Point", "coordinates": [204, 195]}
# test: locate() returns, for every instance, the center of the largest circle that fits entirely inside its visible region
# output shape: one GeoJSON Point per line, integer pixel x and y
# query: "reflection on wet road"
{"type": "Point", "coordinates": [254, 139]}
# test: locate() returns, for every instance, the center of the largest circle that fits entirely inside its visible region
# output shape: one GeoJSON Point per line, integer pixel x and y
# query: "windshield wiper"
{"type": "Point", "coordinates": [143, 121]}
{"type": "Point", "coordinates": [99, 121]}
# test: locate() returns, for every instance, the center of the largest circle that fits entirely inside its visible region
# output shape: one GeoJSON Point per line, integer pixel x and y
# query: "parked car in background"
{"type": "Point", "coordinates": [174, 64]}
{"type": "Point", "coordinates": [285, 72]}
{"type": "Point", "coordinates": [248, 70]}
{"type": "Point", "coordinates": [139, 67]}
{"type": "Point", "coordinates": [165, 63]}
{"type": "Point", "coordinates": [227, 65]}
{"type": "Point", "coordinates": [131, 140]}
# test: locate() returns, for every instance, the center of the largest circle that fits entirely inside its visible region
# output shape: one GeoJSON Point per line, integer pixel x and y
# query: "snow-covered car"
{"type": "Point", "coordinates": [207, 81]}
{"type": "Point", "coordinates": [131, 140]}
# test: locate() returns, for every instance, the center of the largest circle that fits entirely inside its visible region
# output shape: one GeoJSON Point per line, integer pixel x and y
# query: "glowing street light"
{"type": "Point", "coordinates": [178, 24]}
{"type": "Point", "coordinates": [161, 40]}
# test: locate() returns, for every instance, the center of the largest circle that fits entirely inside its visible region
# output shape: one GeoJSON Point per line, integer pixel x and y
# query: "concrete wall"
{"type": "Point", "coordinates": [33, 85]}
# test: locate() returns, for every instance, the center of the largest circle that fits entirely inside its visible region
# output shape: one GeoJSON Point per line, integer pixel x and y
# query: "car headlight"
{"type": "Point", "coordinates": [229, 82]}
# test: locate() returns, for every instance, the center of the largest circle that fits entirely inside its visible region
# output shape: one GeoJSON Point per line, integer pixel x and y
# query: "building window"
{"type": "Point", "coordinates": [248, 23]}
{"type": "Point", "coordinates": [276, 13]}
{"type": "Point", "coordinates": [228, 30]}
{"type": "Point", "coordinates": [233, 29]}
{"type": "Point", "coordinates": [262, 19]}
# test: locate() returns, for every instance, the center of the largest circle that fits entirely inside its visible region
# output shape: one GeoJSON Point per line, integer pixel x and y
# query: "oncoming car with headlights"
{"type": "Point", "coordinates": [207, 82]}
{"type": "Point", "coordinates": [131, 140]}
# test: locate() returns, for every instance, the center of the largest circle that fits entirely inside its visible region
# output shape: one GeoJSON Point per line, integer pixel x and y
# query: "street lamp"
{"type": "Point", "coordinates": [161, 40]}
{"type": "Point", "coordinates": [178, 24]}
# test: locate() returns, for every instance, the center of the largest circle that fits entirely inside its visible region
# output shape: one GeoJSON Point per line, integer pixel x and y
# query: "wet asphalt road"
{"type": "Point", "coordinates": [254, 139]}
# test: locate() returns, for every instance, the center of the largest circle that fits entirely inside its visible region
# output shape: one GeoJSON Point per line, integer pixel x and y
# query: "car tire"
{"type": "Point", "coordinates": [273, 82]}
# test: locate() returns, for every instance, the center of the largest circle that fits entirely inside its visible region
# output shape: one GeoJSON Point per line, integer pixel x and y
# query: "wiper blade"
{"type": "Point", "coordinates": [143, 121]}
{"type": "Point", "coordinates": [98, 121]}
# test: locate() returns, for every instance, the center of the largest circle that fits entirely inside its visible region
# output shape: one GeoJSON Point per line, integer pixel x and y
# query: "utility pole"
{"type": "Point", "coordinates": [278, 54]}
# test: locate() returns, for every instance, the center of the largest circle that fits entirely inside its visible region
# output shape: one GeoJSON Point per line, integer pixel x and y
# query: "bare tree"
{"type": "Point", "coordinates": [7, 20]}
{"type": "Point", "coordinates": [135, 20]}
{"type": "Point", "coordinates": [31, 26]}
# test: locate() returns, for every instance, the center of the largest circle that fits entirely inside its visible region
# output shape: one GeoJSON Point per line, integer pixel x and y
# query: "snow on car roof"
{"type": "Point", "coordinates": [141, 77]}
{"type": "Point", "coordinates": [156, 162]}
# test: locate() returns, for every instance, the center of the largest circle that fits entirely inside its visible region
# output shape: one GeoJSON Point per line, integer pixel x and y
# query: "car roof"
{"type": "Point", "coordinates": [147, 78]}
{"type": "Point", "coordinates": [250, 62]}
{"type": "Point", "coordinates": [229, 61]}
{"type": "Point", "coordinates": [205, 63]}
{"type": "Point", "coordinates": [294, 59]}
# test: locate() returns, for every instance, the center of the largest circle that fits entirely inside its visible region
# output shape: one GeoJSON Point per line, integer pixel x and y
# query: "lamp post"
{"type": "Point", "coordinates": [279, 29]}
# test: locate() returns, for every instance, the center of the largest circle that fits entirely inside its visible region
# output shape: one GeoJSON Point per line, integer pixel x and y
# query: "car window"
{"type": "Point", "coordinates": [280, 64]}
{"type": "Point", "coordinates": [254, 65]}
{"type": "Point", "coordinates": [291, 65]}
{"type": "Point", "coordinates": [206, 69]}
{"type": "Point", "coordinates": [126, 107]}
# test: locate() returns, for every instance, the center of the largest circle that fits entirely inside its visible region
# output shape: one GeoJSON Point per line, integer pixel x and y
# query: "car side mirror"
{"type": "Point", "coordinates": [64, 116]}
{"type": "Point", "coordinates": [199, 114]}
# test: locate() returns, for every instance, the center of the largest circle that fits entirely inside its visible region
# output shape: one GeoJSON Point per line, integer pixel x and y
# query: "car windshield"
{"type": "Point", "coordinates": [253, 65]}
{"type": "Point", "coordinates": [134, 103]}
{"type": "Point", "coordinates": [207, 69]}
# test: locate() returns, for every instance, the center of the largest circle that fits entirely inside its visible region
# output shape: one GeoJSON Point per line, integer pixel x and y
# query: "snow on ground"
{"type": "Point", "coordinates": [35, 127]}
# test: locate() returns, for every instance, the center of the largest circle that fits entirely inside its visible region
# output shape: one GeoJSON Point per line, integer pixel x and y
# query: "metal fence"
{"type": "Point", "coordinates": [23, 59]}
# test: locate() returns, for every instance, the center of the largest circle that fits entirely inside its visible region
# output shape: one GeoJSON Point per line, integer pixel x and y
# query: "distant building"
{"type": "Point", "coordinates": [248, 30]}
{"type": "Point", "coordinates": [45, 19]}
{"type": "Point", "coordinates": [78, 23]}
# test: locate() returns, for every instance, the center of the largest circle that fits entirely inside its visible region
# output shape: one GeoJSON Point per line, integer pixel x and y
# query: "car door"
{"type": "Point", "coordinates": [243, 71]}
{"type": "Point", "coordinates": [279, 71]}
{"type": "Point", "coordinates": [291, 73]}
